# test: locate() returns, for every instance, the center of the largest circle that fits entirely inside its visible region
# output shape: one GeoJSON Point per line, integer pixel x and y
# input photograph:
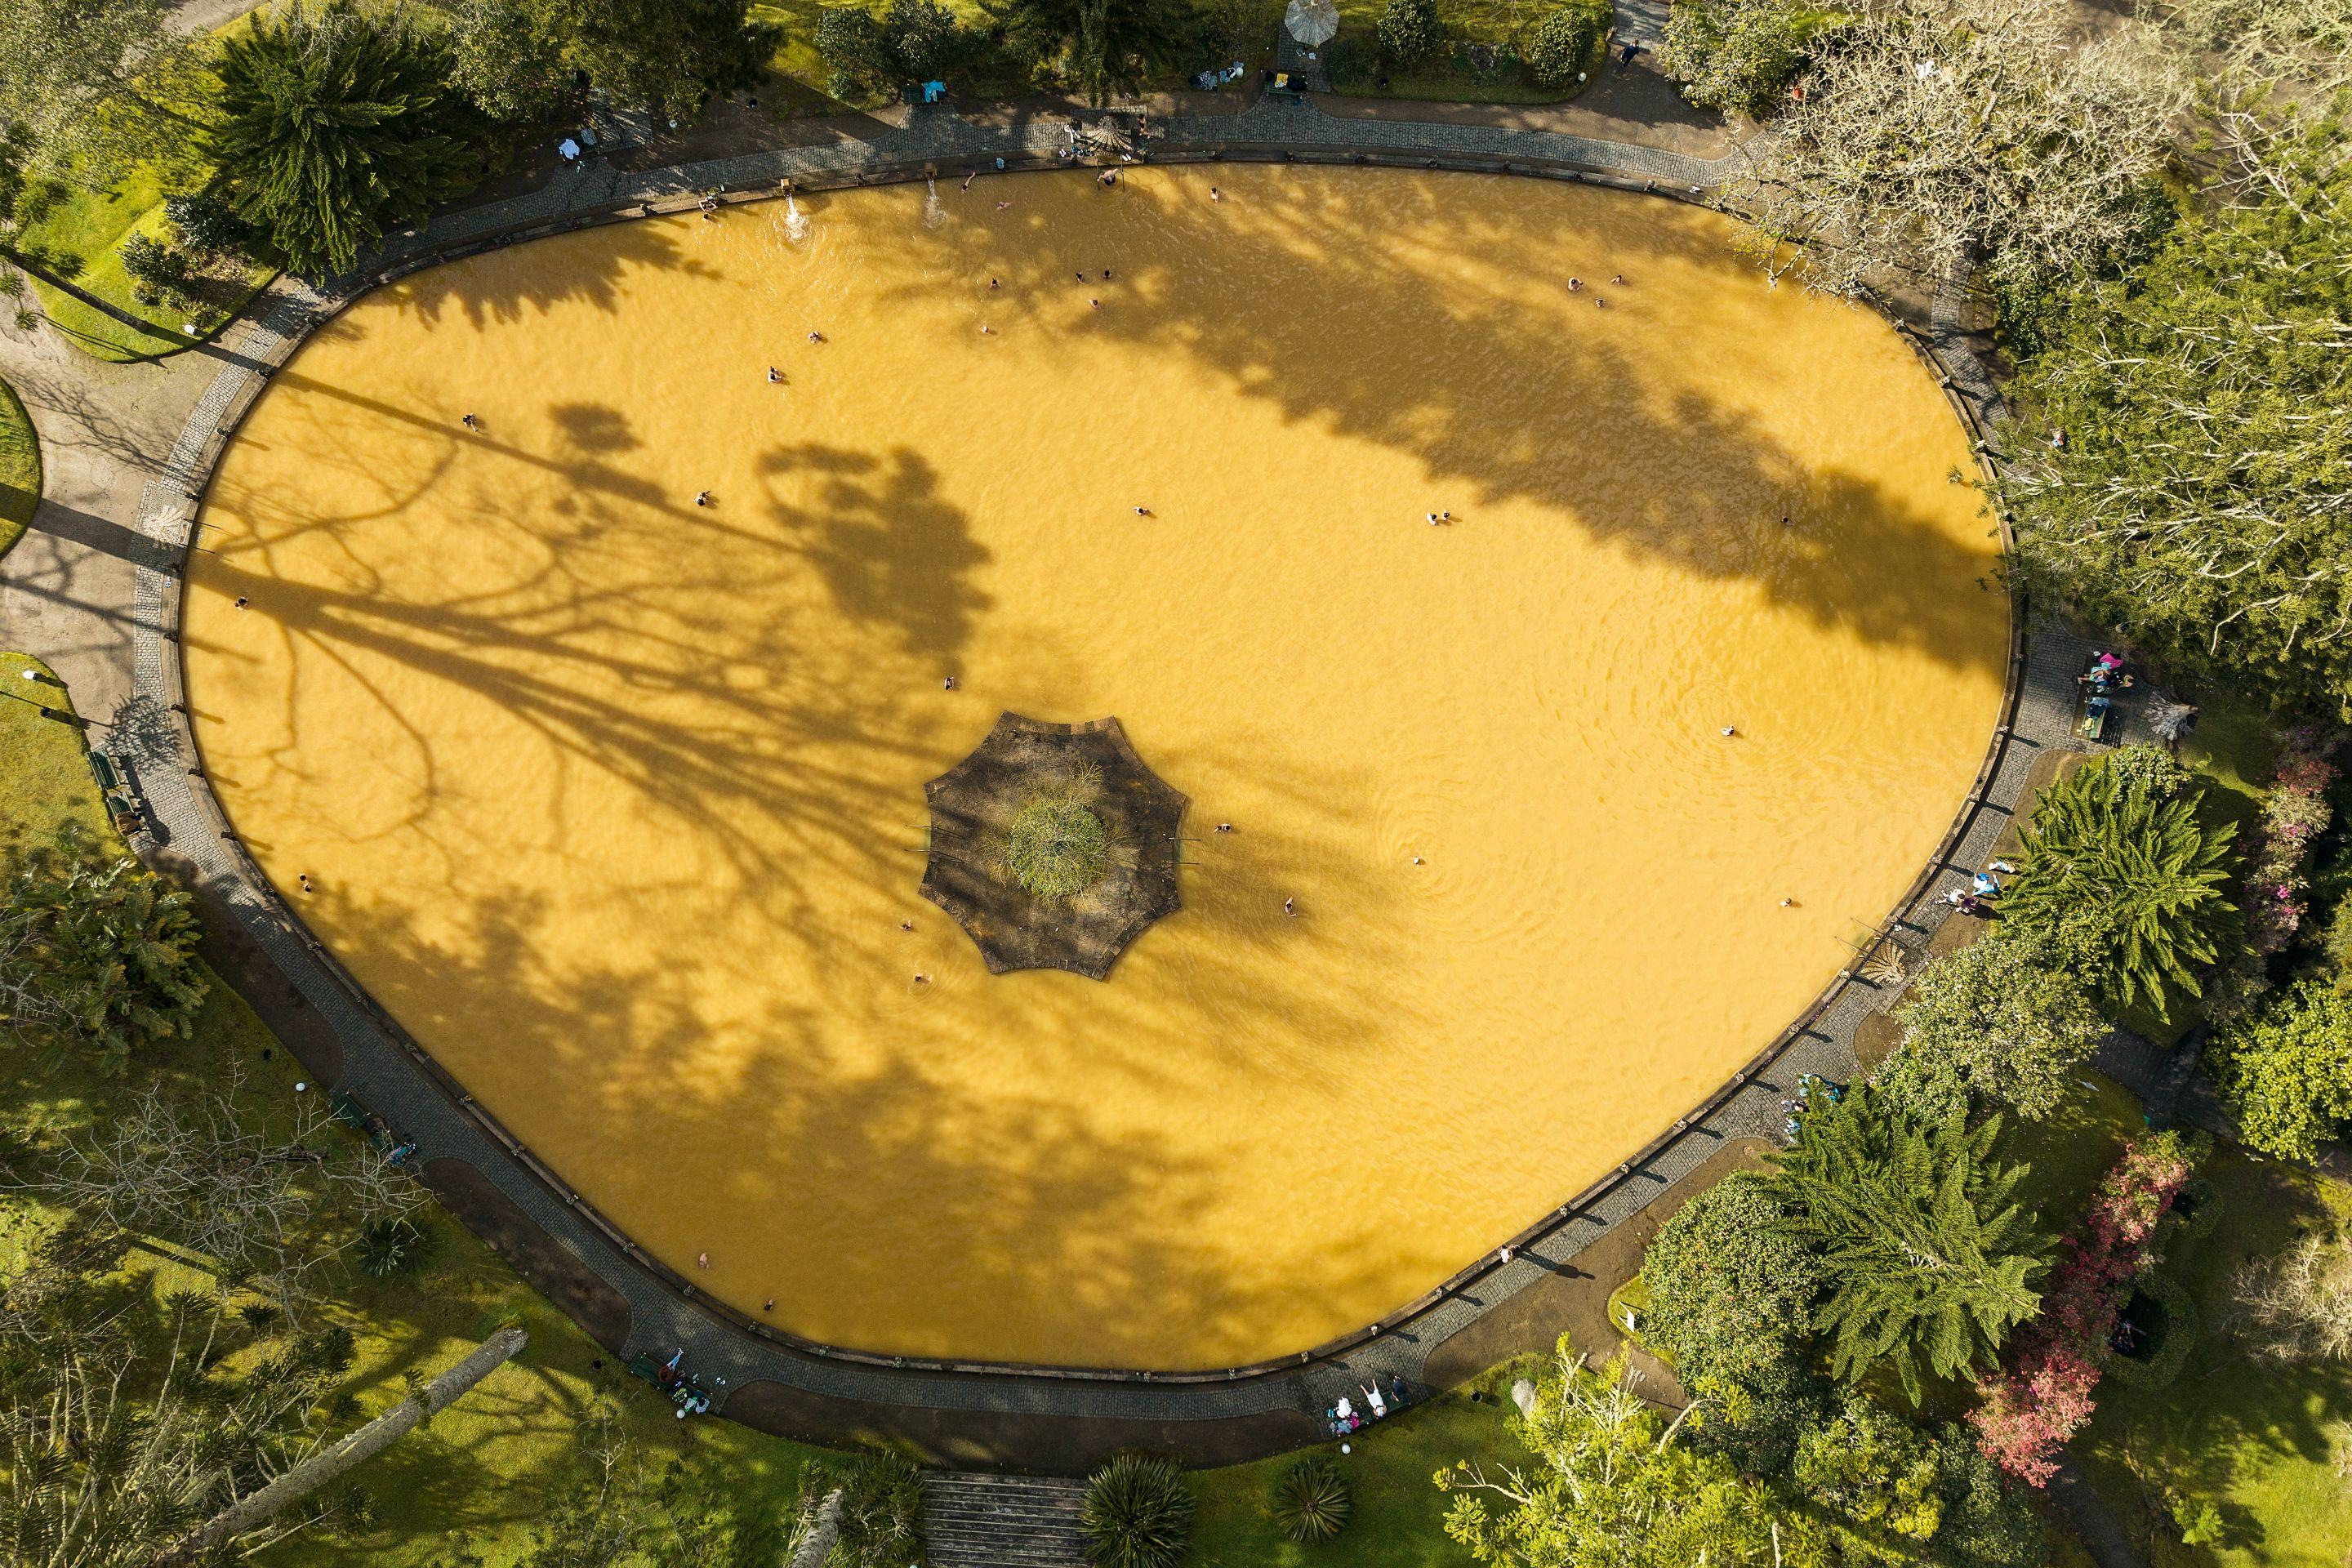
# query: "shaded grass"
{"type": "Point", "coordinates": [1398, 1519]}
{"type": "Point", "coordinates": [77, 235]}
{"type": "Point", "coordinates": [480, 1473]}
{"type": "Point", "coordinates": [2251, 1436]}
{"type": "Point", "coordinates": [20, 470]}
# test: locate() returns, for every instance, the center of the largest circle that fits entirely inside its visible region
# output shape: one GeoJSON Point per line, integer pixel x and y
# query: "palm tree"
{"type": "Point", "coordinates": [336, 123]}
{"type": "Point", "coordinates": [1923, 1258]}
{"type": "Point", "coordinates": [2127, 881]}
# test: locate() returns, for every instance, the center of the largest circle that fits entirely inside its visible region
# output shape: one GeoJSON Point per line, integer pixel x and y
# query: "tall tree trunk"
{"type": "Point", "coordinates": [248, 1513]}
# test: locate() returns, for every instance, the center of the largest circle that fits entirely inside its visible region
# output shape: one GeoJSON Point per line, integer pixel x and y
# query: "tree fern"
{"type": "Point", "coordinates": [1924, 1259]}
{"type": "Point", "coordinates": [2128, 882]}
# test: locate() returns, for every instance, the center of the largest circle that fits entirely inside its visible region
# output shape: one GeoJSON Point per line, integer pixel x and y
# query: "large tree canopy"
{"type": "Point", "coordinates": [93, 85]}
{"type": "Point", "coordinates": [1927, 1262]}
{"type": "Point", "coordinates": [2287, 1073]}
{"type": "Point", "coordinates": [666, 54]}
{"type": "Point", "coordinates": [2004, 1017]}
{"type": "Point", "coordinates": [336, 123]}
{"type": "Point", "coordinates": [2128, 883]}
{"type": "Point", "coordinates": [2203, 498]}
{"type": "Point", "coordinates": [1937, 136]}
{"type": "Point", "coordinates": [1108, 46]}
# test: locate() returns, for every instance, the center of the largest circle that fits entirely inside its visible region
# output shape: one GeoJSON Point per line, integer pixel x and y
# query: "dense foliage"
{"type": "Point", "coordinates": [1738, 56]}
{"type": "Point", "coordinates": [2126, 882]}
{"type": "Point", "coordinates": [669, 55]}
{"type": "Point", "coordinates": [1057, 847]}
{"type": "Point", "coordinates": [1926, 1259]}
{"type": "Point", "coordinates": [2003, 1017]}
{"type": "Point", "coordinates": [1409, 31]}
{"type": "Point", "coordinates": [98, 961]}
{"type": "Point", "coordinates": [2202, 498]}
{"type": "Point", "coordinates": [1731, 1288]}
{"type": "Point", "coordinates": [2288, 1072]}
{"type": "Point", "coordinates": [503, 60]}
{"type": "Point", "coordinates": [1138, 1513]}
{"type": "Point", "coordinates": [91, 88]}
{"type": "Point", "coordinates": [1566, 42]}
{"type": "Point", "coordinates": [1944, 137]}
{"type": "Point", "coordinates": [1102, 48]}
{"type": "Point", "coordinates": [2042, 1395]}
{"type": "Point", "coordinates": [336, 123]}
{"type": "Point", "coordinates": [913, 40]}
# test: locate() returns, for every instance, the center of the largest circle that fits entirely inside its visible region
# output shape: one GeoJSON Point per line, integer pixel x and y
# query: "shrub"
{"type": "Point", "coordinates": [2287, 1073]}
{"type": "Point", "coordinates": [159, 273]}
{"type": "Point", "coordinates": [2002, 1016]}
{"type": "Point", "coordinates": [1729, 1288]}
{"type": "Point", "coordinates": [881, 1514]}
{"type": "Point", "coordinates": [101, 958]}
{"type": "Point", "coordinates": [1565, 42]}
{"type": "Point", "coordinates": [394, 1245]}
{"type": "Point", "coordinates": [2296, 1306]}
{"type": "Point", "coordinates": [2127, 882]}
{"type": "Point", "coordinates": [1138, 1513]}
{"type": "Point", "coordinates": [1058, 846]}
{"type": "Point", "coordinates": [1739, 56]}
{"type": "Point", "coordinates": [1409, 31]}
{"type": "Point", "coordinates": [2176, 1336]}
{"type": "Point", "coordinates": [207, 227]}
{"type": "Point", "coordinates": [1311, 1501]}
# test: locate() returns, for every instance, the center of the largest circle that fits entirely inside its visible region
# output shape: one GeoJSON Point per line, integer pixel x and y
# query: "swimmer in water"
{"type": "Point", "coordinates": [816, 336]}
{"type": "Point", "coordinates": [470, 423]}
{"type": "Point", "coordinates": [1616, 279]}
{"type": "Point", "coordinates": [995, 284]}
{"type": "Point", "coordinates": [968, 179]}
{"type": "Point", "coordinates": [1730, 731]}
{"type": "Point", "coordinates": [305, 880]}
{"type": "Point", "coordinates": [906, 925]}
{"type": "Point", "coordinates": [702, 498]}
{"type": "Point", "coordinates": [1599, 303]}
{"type": "Point", "coordinates": [1574, 284]}
{"type": "Point", "coordinates": [1002, 206]}
{"type": "Point", "coordinates": [985, 329]}
{"type": "Point", "coordinates": [775, 375]}
{"type": "Point", "coordinates": [242, 601]}
{"type": "Point", "coordinates": [1290, 908]}
{"type": "Point", "coordinates": [1225, 828]}
{"type": "Point", "coordinates": [1216, 195]}
{"type": "Point", "coordinates": [1143, 512]}
{"type": "Point", "coordinates": [950, 684]}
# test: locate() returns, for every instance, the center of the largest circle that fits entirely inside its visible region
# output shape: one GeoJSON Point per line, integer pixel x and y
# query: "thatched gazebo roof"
{"type": "Point", "coordinates": [975, 870]}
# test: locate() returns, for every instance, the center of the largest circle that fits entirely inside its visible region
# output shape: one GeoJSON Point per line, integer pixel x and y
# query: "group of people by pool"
{"type": "Point", "coordinates": [685, 1388]}
{"type": "Point", "coordinates": [1345, 1418]}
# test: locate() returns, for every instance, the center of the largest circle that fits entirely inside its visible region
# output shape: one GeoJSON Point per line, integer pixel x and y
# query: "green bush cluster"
{"type": "Point", "coordinates": [1566, 43]}
{"type": "Point", "coordinates": [1138, 1513]}
{"type": "Point", "coordinates": [1410, 32]}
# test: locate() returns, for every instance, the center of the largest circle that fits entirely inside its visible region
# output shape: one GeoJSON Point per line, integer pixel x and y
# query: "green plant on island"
{"type": "Point", "coordinates": [2128, 883]}
{"type": "Point", "coordinates": [1311, 1501]}
{"type": "Point", "coordinates": [1926, 1259]}
{"type": "Point", "coordinates": [1058, 846]}
{"type": "Point", "coordinates": [1138, 1513]}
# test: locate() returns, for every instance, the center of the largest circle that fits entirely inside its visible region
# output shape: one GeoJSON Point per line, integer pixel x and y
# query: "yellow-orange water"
{"type": "Point", "coordinates": [616, 800]}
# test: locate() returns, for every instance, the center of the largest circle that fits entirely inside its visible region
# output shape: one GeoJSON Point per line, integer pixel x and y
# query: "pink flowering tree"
{"type": "Point", "coordinates": [2042, 1394]}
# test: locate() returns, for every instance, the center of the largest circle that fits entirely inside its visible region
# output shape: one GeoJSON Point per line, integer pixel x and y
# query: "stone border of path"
{"type": "Point", "coordinates": [1044, 1416]}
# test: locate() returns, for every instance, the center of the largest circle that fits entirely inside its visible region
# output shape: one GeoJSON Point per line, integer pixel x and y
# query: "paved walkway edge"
{"type": "Point", "coordinates": [1223, 1415]}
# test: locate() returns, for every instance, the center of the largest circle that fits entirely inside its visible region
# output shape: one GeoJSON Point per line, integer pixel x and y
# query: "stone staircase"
{"type": "Point", "coordinates": [1002, 1521]}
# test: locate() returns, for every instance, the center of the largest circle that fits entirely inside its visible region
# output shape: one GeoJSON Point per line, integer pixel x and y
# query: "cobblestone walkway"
{"type": "Point", "coordinates": [812, 1389]}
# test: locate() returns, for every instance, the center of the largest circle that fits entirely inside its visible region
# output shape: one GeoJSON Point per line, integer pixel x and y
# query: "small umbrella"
{"type": "Point", "coordinates": [1312, 22]}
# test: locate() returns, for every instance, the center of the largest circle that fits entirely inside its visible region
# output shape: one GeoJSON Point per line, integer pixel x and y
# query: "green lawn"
{"type": "Point", "coordinates": [480, 1473]}
{"type": "Point", "coordinates": [2253, 1437]}
{"type": "Point", "coordinates": [20, 469]}
{"type": "Point", "coordinates": [1398, 1516]}
{"type": "Point", "coordinates": [76, 235]}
